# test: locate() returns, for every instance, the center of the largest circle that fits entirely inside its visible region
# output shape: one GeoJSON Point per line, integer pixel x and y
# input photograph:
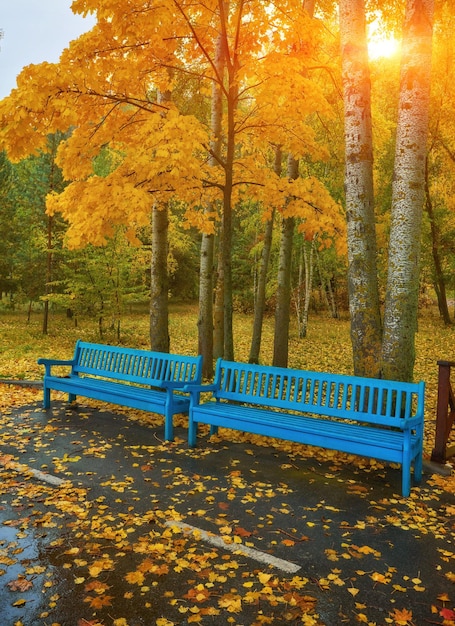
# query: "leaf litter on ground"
{"type": "Point", "coordinates": [118, 551]}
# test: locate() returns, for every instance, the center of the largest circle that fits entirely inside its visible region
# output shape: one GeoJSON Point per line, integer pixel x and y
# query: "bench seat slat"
{"type": "Point", "coordinates": [140, 379]}
{"type": "Point", "coordinates": [380, 419]}
{"type": "Point", "coordinates": [305, 429]}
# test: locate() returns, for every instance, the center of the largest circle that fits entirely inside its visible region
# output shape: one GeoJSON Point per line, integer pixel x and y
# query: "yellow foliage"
{"type": "Point", "coordinates": [105, 88]}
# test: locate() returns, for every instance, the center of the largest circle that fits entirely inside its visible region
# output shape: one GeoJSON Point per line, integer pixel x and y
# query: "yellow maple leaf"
{"type": "Point", "coordinates": [135, 578]}
{"type": "Point", "coordinates": [401, 617]}
{"type": "Point", "coordinates": [95, 570]}
{"type": "Point", "coordinates": [444, 597]}
{"type": "Point", "coordinates": [233, 604]}
{"type": "Point", "coordinates": [379, 578]}
{"type": "Point", "coordinates": [264, 577]}
{"type": "Point", "coordinates": [99, 601]}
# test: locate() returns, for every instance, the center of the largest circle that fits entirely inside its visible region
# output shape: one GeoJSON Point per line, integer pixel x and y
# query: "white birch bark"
{"type": "Point", "coordinates": [361, 235]}
{"type": "Point", "coordinates": [408, 193]}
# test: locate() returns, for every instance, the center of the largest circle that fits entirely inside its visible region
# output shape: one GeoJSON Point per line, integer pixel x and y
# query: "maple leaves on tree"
{"type": "Point", "coordinates": [106, 88]}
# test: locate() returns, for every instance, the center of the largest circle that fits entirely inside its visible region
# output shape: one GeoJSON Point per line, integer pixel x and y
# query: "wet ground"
{"type": "Point", "coordinates": [243, 532]}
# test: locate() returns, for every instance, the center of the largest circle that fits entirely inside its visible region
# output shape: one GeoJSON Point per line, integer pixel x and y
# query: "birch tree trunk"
{"type": "Point", "coordinates": [205, 316]}
{"type": "Point", "coordinates": [408, 193]}
{"type": "Point", "coordinates": [366, 330]}
{"type": "Point", "coordinates": [308, 262]}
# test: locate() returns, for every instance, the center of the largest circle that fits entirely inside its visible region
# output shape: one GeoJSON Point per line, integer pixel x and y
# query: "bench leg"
{"type": "Point", "coordinates": [71, 398]}
{"type": "Point", "coordinates": [418, 467]}
{"type": "Point", "coordinates": [192, 432]}
{"type": "Point", "coordinates": [46, 397]}
{"type": "Point", "coordinates": [168, 428]}
{"type": "Point", "coordinates": [213, 430]}
{"type": "Point", "coordinates": [406, 480]}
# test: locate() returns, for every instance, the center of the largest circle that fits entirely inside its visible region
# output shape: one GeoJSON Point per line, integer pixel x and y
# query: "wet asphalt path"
{"type": "Point", "coordinates": [326, 541]}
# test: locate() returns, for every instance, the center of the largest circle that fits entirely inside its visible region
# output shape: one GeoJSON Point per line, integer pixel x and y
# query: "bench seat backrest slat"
{"type": "Point", "coordinates": [135, 366]}
{"type": "Point", "coordinates": [333, 395]}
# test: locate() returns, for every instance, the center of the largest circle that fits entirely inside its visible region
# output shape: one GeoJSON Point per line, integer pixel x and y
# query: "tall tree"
{"type": "Point", "coordinates": [259, 302]}
{"type": "Point", "coordinates": [366, 328]}
{"type": "Point", "coordinates": [105, 88]}
{"type": "Point", "coordinates": [283, 296]}
{"type": "Point", "coordinates": [439, 279]}
{"type": "Point", "coordinates": [159, 284]}
{"type": "Point", "coordinates": [392, 355]}
{"type": "Point", "coordinates": [206, 269]}
{"type": "Point", "coordinates": [408, 193]}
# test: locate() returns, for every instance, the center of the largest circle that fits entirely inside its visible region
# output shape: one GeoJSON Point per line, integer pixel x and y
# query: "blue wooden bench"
{"type": "Point", "coordinates": [380, 419]}
{"type": "Point", "coordinates": [150, 381]}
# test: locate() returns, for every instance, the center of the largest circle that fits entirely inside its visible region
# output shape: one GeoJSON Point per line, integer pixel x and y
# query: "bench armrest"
{"type": "Point", "coordinates": [172, 384]}
{"type": "Point", "coordinates": [199, 388]}
{"type": "Point", "coordinates": [48, 363]}
{"type": "Point", "coordinates": [195, 391]}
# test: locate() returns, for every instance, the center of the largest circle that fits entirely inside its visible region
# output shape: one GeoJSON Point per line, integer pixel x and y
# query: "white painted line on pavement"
{"type": "Point", "coordinates": [48, 478]}
{"type": "Point", "coordinates": [236, 548]}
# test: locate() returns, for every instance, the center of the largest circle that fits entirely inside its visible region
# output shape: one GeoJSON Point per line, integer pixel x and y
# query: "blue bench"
{"type": "Point", "coordinates": [380, 419]}
{"type": "Point", "coordinates": [150, 381]}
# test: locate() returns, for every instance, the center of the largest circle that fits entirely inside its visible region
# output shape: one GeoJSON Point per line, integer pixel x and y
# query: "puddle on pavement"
{"type": "Point", "coordinates": [22, 575]}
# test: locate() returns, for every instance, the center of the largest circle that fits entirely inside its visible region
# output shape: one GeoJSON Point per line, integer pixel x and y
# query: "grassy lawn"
{"type": "Point", "coordinates": [326, 347]}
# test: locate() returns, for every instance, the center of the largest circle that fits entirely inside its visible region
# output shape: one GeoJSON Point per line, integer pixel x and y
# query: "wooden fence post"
{"type": "Point", "coordinates": [445, 413]}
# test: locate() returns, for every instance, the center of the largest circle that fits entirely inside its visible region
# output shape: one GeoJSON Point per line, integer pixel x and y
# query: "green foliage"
{"type": "Point", "coordinates": [103, 282]}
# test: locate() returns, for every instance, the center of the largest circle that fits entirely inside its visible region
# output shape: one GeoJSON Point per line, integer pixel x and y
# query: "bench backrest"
{"type": "Point", "coordinates": [386, 402]}
{"type": "Point", "coordinates": [135, 366]}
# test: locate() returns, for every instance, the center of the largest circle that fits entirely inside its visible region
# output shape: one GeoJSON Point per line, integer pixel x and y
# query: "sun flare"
{"type": "Point", "coordinates": [382, 47]}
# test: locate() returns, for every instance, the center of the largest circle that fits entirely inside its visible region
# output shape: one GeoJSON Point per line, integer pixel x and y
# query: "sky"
{"type": "Point", "coordinates": [35, 31]}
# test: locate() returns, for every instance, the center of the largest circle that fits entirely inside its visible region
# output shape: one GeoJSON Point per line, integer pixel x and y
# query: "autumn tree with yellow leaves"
{"type": "Point", "coordinates": [106, 88]}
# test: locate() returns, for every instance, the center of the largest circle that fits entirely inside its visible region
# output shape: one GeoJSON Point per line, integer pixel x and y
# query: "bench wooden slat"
{"type": "Point", "coordinates": [377, 418]}
{"type": "Point", "coordinates": [141, 379]}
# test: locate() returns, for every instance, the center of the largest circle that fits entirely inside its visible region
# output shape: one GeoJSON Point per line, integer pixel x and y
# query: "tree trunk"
{"type": "Point", "coordinates": [159, 308]}
{"type": "Point", "coordinates": [218, 316]}
{"type": "Point", "coordinates": [308, 262]}
{"type": "Point", "coordinates": [259, 306]}
{"type": "Point", "coordinates": [408, 193]}
{"type": "Point", "coordinates": [49, 264]}
{"type": "Point", "coordinates": [205, 320]}
{"type": "Point", "coordinates": [283, 296]}
{"type": "Point", "coordinates": [439, 282]}
{"type": "Point", "coordinates": [366, 330]}
{"type": "Point", "coordinates": [232, 64]}
{"type": "Point", "coordinates": [159, 281]}
{"type": "Point", "coordinates": [326, 289]}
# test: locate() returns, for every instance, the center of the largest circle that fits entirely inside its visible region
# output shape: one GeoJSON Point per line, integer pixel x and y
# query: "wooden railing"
{"type": "Point", "coordinates": [445, 414]}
